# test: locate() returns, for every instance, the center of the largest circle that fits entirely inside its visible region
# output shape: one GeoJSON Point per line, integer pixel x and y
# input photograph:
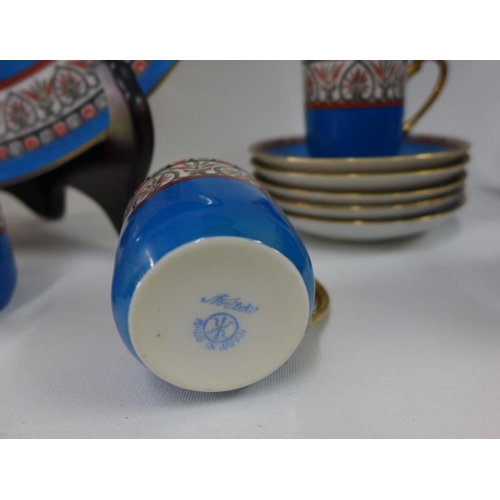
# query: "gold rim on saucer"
{"type": "Point", "coordinates": [372, 222]}
{"type": "Point", "coordinates": [321, 304]}
{"type": "Point", "coordinates": [456, 148]}
{"type": "Point", "coordinates": [457, 183]}
{"type": "Point", "coordinates": [372, 230]}
{"type": "Point", "coordinates": [359, 207]}
{"type": "Point", "coordinates": [367, 222]}
{"type": "Point", "coordinates": [359, 175]}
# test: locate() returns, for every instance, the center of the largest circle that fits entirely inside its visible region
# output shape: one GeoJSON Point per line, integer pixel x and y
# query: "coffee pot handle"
{"type": "Point", "coordinates": [413, 68]}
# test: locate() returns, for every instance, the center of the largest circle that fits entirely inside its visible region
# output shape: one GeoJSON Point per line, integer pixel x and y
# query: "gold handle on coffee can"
{"type": "Point", "coordinates": [321, 304]}
{"type": "Point", "coordinates": [413, 68]}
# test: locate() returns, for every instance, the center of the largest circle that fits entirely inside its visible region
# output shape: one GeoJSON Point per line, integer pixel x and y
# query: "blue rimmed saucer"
{"type": "Point", "coordinates": [416, 152]}
{"type": "Point", "coordinates": [52, 111]}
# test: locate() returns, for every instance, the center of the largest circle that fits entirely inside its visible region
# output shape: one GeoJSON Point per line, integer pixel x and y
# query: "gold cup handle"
{"type": "Point", "coordinates": [413, 68]}
{"type": "Point", "coordinates": [321, 304]}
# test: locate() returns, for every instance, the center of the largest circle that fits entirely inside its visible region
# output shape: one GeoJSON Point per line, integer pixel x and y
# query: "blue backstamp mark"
{"type": "Point", "coordinates": [219, 331]}
{"type": "Point", "coordinates": [232, 303]}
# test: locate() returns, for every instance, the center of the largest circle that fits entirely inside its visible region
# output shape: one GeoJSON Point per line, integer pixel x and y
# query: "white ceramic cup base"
{"type": "Point", "coordinates": [218, 314]}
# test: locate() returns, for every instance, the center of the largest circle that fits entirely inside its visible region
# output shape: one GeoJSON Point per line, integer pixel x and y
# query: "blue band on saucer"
{"type": "Point", "coordinates": [9, 69]}
{"type": "Point", "coordinates": [59, 151]}
{"type": "Point", "coordinates": [297, 147]}
{"type": "Point", "coordinates": [153, 75]}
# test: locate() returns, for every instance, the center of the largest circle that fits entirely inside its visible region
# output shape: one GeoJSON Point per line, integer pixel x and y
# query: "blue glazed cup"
{"type": "Point", "coordinates": [213, 288]}
{"type": "Point", "coordinates": [355, 108]}
{"type": "Point", "coordinates": [8, 273]}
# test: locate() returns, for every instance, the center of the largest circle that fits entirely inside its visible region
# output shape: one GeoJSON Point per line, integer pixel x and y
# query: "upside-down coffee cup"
{"type": "Point", "coordinates": [213, 288]}
{"type": "Point", "coordinates": [7, 265]}
{"type": "Point", "coordinates": [355, 108]}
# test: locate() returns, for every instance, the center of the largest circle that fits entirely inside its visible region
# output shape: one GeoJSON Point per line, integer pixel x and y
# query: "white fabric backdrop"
{"type": "Point", "coordinates": [410, 349]}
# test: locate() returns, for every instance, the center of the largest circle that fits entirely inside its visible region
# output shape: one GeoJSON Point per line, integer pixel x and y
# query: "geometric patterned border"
{"type": "Point", "coordinates": [47, 102]}
{"type": "Point", "coordinates": [354, 84]}
{"type": "Point", "coordinates": [184, 170]}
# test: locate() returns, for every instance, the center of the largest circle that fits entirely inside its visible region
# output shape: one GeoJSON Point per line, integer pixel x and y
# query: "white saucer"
{"type": "Point", "coordinates": [363, 230]}
{"type": "Point", "coordinates": [362, 182]}
{"type": "Point", "coordinates": [347, 198]}
{"type": "Point", "coordinates": [398, 211]}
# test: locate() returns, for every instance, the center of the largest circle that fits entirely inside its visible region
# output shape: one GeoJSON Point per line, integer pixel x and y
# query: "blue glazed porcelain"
{"type": "Point", "coordinates": [213, 288]}
{"type": "Point", "coordinates": [355, 108]}
{"type": "Point", "coordinates": [420, 145]}
{"type": "Point", "coordinates": [354, 132]}
{"type": "Point", "coordinates": [7, 266]}
{"type": "Point", "coordinates": [55, 110]}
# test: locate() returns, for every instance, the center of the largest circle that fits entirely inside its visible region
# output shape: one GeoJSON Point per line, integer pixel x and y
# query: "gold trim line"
{"type": "Point", "coordinates": [321, 304]}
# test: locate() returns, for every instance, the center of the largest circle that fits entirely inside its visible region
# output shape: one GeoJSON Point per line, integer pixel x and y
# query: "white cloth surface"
{"type": "Point", "coordinates": [411, 347]}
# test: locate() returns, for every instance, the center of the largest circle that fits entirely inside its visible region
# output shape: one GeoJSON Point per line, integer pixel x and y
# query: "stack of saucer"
{"type": "Point", "coordinates": [363, 199]}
